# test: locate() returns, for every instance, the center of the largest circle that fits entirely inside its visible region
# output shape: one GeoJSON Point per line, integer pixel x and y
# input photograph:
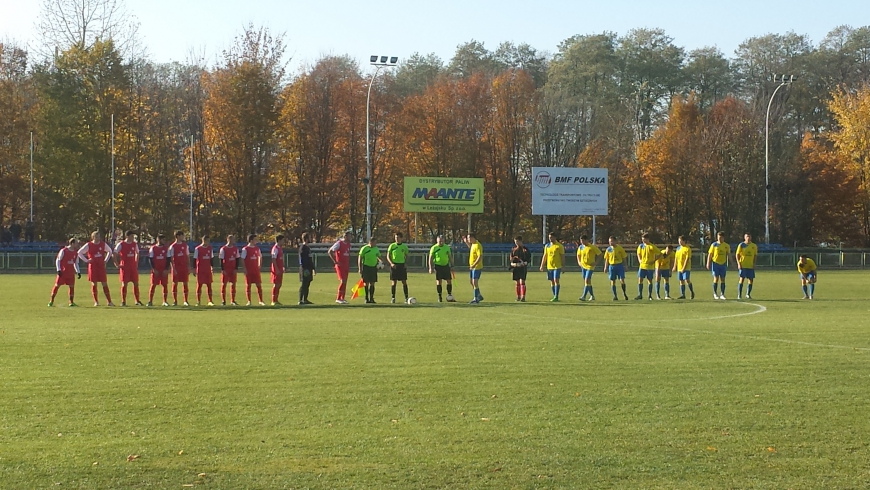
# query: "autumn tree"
{"type": "Point", "coordinates": [240, 119]}
{"type": "Point", "coordinates": [837, 207]}
{"type": "Point", "coordinates": [671, 161]}
{"type": "Point", "coordinates": [323, 134]}
{"type": "Point", "coordinates": [79, 95]}
{"type": "Point", "coordinates": [851, 140]}
{"type": "Point", "coordinates": [17, 104]}
{"type": "Point", "coordinates": [83, 23]}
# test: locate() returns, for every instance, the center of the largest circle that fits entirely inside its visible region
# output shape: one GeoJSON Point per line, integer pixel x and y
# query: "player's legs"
{"type": "Point", "coordinates": [658, 281]}
{"type": "Point", "coordinates": [223, 289]}
{"type": "Point", "coordinates": [174, 292]}
{"type": "Point", "coordinates": [198, 292]}
{"type": "Point", "coordinates": [94, 293]}
{"type": "Point", "coordinates": [123, 293]}
{"type": "Point", "coordinates": [405, 290]}
{"type": "Point", "coordinates": [186, 290]}
{"type": "Point", "coordinates": [107, 292]}
{"type": "Point", "coordinates": [260, 292]}
{"type": "Point", "coordinates": [475, 284]}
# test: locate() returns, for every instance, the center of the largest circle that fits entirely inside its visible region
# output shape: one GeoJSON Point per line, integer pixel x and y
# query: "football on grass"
{"type": "Point", "coordinates": [450, 298]}
{"type": "Point", "coordinates": [412, 301]}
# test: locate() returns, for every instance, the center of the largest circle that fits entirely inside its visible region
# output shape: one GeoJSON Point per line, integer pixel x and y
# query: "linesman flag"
{"type": "Point", "coordinates": [355, 290]}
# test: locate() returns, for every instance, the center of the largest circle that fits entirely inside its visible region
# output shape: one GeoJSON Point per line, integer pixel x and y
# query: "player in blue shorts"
{"type": "Point", "coordinates": [554, 257]}
{"type": "Point", "coordinates": [647, 255]}
{"type": "Point", "coordinates": [663, 272]}
{"type": "Point", "coordinates": [587, 256]}
{"type": "Point", "coordinates": [807, 268]}
{"type": "Point", "coordinates": [717, 262]}
{"type": "Point", "coordinates": [683, 267]}
{"type": "Point", "coordinates": [614, 266]}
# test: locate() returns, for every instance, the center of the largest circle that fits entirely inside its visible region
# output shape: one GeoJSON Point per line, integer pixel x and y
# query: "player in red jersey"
{"type": "Point", "coordinates": [127, 261]}
{"type": "Point", "coordinates": [158, 256]}
{"type": "Point", "coordinates": [96, 253]}
{"type": "Point", "coordinates": [340, 255]}
{"type": "Point", "coordinates": [253, 260]}
{"type": "Point", "coordinates": [67, 270]}
{"type": "Point", "coordinates": [179, 258]}
{"type": "Point", "coordinates": [277, 268]}
{"type": "Point", "coordinates": [202, 255]}
{"type": "Point", "coordinates": [229, 258]}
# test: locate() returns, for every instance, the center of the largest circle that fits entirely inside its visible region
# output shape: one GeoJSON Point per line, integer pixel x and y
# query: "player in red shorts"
{"type": "Point", "coordinates": [96, 253]}
{"type": "Point", "coordinates": [253, 260]}
{"type": "Point", "coordinates": [229, 259]}
{"type": "Point", "coordinates": [127, 262]}
{"type": "Point", "coordinates": [277, 268]}
{"type": "Point", "coordinates": [202, 256]}
{"type": "Point", "coordinates": [158, 255]}
{"type": "Point", "coordinates": [67, 270]}
{"type": "Point", "coordinates": [340, 255]}
{"type": "Point", "coordinates": [179, 258]}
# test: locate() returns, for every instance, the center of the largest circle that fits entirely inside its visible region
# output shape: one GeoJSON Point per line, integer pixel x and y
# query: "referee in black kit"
{"type": "Point", "coordinates": [520, 258]}
{"type": "Point", "coordinates": [306, 269]}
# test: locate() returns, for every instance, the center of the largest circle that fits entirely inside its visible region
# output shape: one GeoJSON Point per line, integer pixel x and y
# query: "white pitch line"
{"type": "Point", "coordinates": [758, 309]}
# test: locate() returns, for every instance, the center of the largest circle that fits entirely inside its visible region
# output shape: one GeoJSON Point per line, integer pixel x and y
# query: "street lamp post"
{"type": "Point", "coordinates": [378, 62]}
{"type": "Point", "coordinates": [783, 81]}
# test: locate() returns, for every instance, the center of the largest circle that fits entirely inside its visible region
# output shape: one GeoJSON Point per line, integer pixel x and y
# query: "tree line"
{"type": "Point", "coordinates": [682, 134]}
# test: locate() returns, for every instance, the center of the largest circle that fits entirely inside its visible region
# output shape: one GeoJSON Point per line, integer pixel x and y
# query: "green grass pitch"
{"type": "Point", "coordinates": [771, 393]}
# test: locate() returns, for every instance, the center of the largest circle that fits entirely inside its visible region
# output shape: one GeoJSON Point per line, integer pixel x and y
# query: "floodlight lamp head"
{"type": "Point", "coordinates": [373, 58]}
{"type": "Point", "coordinates": [383, 59]}
{"type": "Point", "coordinates": [394, 60]}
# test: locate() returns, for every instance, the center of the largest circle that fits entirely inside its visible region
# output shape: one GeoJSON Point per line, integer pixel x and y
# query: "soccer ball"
{"type": "Point", "coordinates": [450, 298]}
{"type": "Point", "coordinates": [412, 300]}
{"type": "Point", "coordinates": [380, 265]}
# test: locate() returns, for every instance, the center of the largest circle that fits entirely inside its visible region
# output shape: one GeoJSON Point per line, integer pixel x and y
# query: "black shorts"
{"type": "Point", "coordinates": [398, 272]}
{"type": "Point", "coordinates": [520, 273]}
{"type": "Point", "coordinates": [442, 273]}
{"type": "Point", "coordinates": [369, 274]}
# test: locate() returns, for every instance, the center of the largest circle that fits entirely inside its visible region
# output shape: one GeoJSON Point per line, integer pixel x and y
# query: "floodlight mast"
{"type": "Point", "coordinates": [783, 81]}
{"type": "Point", "coordinates": [378, 62]}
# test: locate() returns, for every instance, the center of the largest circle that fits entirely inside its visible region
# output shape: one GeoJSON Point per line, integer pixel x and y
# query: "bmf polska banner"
{"type": "Point", "coordinates": [443, 195]}
{"type": "Point", "coordinates": [569, 191]}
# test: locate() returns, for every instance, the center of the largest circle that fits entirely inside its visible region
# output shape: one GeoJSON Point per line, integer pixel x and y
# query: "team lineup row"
{"type": "Point", "coordinates": [655, 266]}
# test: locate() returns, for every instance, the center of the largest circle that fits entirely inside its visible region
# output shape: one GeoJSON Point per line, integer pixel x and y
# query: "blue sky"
{"type": "Point", "coordinates": [172, 29]}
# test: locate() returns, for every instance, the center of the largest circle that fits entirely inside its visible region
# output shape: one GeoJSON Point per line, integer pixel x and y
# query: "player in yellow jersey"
{"type": "Point", "coordinates": [614, 266]}
{"type": "Point", "coordinates": [683, 267]}
{"type": "Point", "coordinates": [554, 257]}
{"type": "Point", "coordinates": [475, 266]}
{"type": "Point", "coordinates": [717, 262]}
{"type": "Point", "coordinates": [745, 255]}
{"type": "Point", "coordinates": [647, 254]}
{"type": "Point", "coordinates": [807, 267]}
{"type": "Point", "coordinates": [663, 272]}
{"type": "Point", "coordinates": [587, 256]}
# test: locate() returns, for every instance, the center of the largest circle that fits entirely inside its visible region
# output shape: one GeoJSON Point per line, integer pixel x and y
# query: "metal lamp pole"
{"type": "Point", "coordinates": [784, 80]}
{"type": "Point", "coordinates": [378, 62]}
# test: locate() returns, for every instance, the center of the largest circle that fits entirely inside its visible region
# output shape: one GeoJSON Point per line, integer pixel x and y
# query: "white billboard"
{"type": "Point", "coordinates": [569, 191]}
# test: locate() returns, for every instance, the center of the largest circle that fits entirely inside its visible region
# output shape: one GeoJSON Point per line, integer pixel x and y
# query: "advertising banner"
{"type": "Point", "coordinates": [558, 191]}
{"type": "Point", "coordinates": [443, 195]}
